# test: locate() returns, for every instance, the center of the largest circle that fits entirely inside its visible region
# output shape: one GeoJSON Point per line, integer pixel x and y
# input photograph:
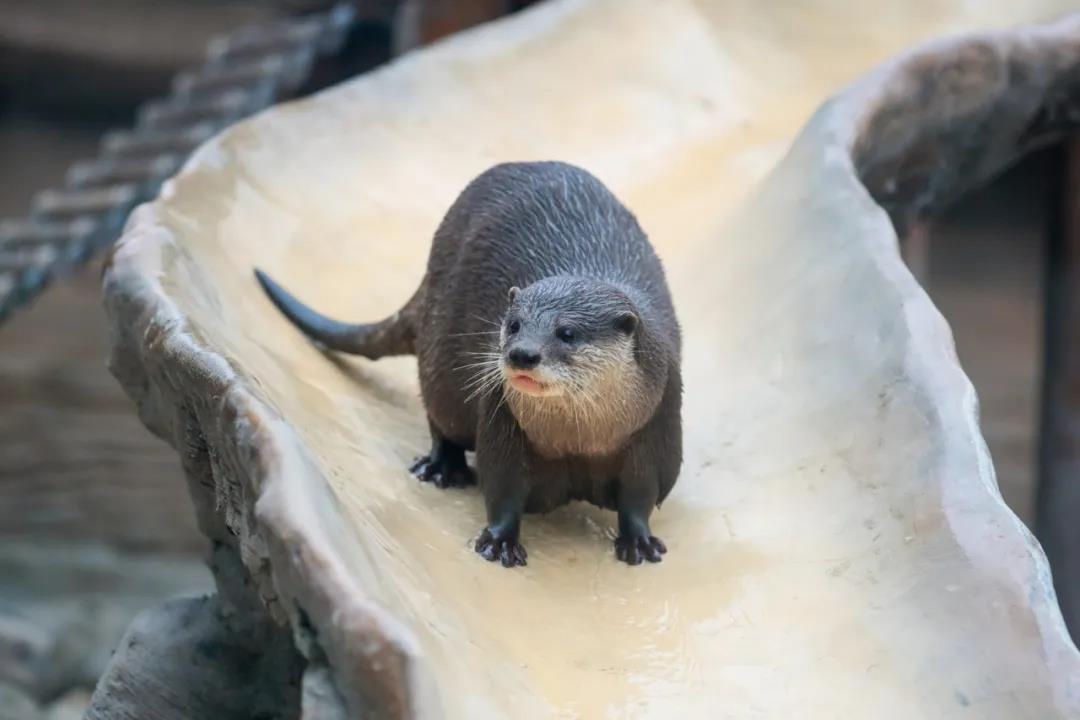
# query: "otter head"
{"type": "Point", "coordinates": [568, 337]}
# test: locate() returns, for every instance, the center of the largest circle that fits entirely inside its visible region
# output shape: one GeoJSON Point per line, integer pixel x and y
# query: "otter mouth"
{"type": "Point", "coordinates": [528, 383]}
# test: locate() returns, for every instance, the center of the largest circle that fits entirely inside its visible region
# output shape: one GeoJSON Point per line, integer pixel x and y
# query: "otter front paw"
{"type": "Point", "coordinates": [443, 473]}
{"type": "Point", "coordinates": [494, 547]}
{"type": "Point", "coordinates": [631, 549]}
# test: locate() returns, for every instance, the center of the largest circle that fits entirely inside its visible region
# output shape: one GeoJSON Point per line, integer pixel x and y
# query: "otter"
{"type": "Point", "coordinates": [546, 341]}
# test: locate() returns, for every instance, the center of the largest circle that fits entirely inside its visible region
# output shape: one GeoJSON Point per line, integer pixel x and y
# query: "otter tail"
{"type": "Point", "coordinates": [395, 335]}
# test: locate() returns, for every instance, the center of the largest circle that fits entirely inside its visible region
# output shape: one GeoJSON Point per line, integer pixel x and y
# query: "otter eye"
{"type": "Point", "coordinates": [514, 327]}
{"type": "Point", "coordinates": [565, 334]}
{"type": "Point", "coordinates": [627, 323]}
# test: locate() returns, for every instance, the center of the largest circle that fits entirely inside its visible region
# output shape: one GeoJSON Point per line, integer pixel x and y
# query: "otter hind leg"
{"type": "Point", "coordinates": [445, 466]}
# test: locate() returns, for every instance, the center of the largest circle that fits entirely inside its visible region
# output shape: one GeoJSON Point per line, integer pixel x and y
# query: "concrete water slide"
{"type": "Point", "coordinates": [838, 545]}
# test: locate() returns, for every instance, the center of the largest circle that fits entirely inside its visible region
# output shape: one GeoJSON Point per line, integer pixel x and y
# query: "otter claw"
{"type": "Point", "coordinates": [632, 550]}
{"type": "Point", "coordinates": [442, 474]}
{"type": "Point", "coordinates": [508, 551]}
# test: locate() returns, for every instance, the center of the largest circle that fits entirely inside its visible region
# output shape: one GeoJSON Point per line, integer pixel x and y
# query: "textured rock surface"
{"type": "Point", "coordinates": [190, 659]}
{"type": "Point", "coordinates": [320, 699]}
{"type": "Point", "coordinates": [838, 544]}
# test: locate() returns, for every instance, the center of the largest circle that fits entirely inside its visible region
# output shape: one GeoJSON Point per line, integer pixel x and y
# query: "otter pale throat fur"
{"type": "Point", "coordinates": [568, 388]}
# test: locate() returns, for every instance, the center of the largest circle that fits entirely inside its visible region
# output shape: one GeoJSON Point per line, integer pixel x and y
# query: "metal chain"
{"type": "Point", "coordinates": [243, 72]}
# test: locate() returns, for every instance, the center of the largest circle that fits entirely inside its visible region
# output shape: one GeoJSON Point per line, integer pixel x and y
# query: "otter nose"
{"type": "Point", "coordinates": [524, 358]}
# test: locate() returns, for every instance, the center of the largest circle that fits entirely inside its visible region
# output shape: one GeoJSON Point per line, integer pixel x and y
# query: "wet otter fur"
{"type": "Point", "coordinates": [547, 341]}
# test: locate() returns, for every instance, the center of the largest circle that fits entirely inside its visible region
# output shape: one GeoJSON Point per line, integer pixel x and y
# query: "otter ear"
{"type": "Point", "coordinates": [512, 294]}
{"type": "Point", "coordinates": [626, 322]}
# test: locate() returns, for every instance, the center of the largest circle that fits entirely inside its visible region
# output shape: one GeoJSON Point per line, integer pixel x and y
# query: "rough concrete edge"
{"type": "Point", "coordinates": [975, 99]}
{"type": "Point", "coordinates": [169, 372]}
{"type": "Point", "coordinates": [253, 491]}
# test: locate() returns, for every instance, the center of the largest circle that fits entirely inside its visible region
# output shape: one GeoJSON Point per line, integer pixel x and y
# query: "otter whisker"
{"type": "Point", "coordinates": [496, 409]}
{"type": "Point", "coordinates": [467, 334]}
{"type": "Point", "coordinates": [481, 363]}
{"type": "Point", "coordinates": [481, 376]}
{"type": "Point", "coordinates": [490, 349]}
{"type": "Point", "coordinates": [487, 376]}
{"type": "Point", "coordinates": [484, 388]}
{"type": "Point", "coordinates": [485, 320]}
{"type": "Point", "coordinates": [484, 372]}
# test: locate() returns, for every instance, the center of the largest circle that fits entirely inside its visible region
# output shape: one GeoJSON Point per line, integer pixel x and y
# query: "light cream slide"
{"type": "Point", "coordinates": [838, 547]}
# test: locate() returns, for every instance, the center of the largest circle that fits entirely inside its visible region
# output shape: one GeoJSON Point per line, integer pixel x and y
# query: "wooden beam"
{"type": "Point", "coordinates": [915, 249]}
{"type": "Point", "coordinates": [421, 22]}
{"type": "Point", "coordinates": [1058, 495]}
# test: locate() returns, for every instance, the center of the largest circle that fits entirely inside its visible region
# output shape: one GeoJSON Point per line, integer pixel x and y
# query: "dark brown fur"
{"type": "Point", "coordinates": [583, 263]}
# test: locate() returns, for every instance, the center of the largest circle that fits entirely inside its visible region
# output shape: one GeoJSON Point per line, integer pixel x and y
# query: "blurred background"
{"type": "Point", "coordinates": [95, 522]}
